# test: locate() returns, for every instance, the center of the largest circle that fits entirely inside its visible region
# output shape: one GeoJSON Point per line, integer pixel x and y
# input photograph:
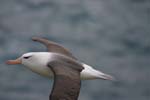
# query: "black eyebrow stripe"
{"type": "Point", "coordinates": [27, 57]}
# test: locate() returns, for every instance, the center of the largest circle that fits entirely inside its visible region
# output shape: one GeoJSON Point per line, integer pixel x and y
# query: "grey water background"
{"type": "Point", "coordinates": [111, 35]}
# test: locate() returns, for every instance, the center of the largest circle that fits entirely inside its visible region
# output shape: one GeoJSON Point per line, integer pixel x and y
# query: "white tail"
{"type": "Point", "coordinates": [91, 73]}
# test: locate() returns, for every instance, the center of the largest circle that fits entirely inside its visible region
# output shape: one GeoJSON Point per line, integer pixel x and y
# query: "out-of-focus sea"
{"type": "Point", "coordinates": [110, 35]}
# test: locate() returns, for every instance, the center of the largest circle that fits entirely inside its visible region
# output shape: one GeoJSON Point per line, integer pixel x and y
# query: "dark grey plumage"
{"type": "Point", "coordinates": [53, 47]}
{"type": "Point", "coordinates": [66, 71]}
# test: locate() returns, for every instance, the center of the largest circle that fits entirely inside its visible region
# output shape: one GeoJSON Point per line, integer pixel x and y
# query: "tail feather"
{"type": "Point", "coordinates": [91, 73]}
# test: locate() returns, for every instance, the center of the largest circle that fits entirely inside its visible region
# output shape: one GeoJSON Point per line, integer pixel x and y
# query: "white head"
{"type": "Point", "coordinates": [32, 59]}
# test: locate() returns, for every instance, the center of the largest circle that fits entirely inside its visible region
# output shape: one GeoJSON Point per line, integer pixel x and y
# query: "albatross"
{"type": "Point", "coordinates": [59, 63]}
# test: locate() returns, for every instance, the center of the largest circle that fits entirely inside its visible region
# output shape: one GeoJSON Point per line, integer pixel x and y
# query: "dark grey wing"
{"type": "Point", "coordinates": [66, 80]}
{"type": "Point", "coordinates": [53, 47]}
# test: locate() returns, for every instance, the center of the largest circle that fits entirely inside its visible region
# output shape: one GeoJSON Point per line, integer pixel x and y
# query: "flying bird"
{"type": "Point", "coordinates": [59, 63]}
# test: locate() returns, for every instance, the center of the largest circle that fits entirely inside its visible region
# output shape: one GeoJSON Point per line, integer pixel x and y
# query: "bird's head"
{"type": "Point", "coordinates": [30, 59]}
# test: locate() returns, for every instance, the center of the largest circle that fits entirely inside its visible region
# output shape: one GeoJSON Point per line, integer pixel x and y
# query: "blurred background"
{"type": "Point", "coordinates": [110, 35]}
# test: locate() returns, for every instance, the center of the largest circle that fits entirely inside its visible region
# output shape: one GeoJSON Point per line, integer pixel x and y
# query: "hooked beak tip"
{"type": "Point", "coordinates": [7, 62]}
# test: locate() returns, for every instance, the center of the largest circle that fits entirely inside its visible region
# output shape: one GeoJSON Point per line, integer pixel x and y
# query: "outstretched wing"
{"type": "Point", "coordinates": [66, 80]}
{"type": "Point", "coordinates": [54, 47]}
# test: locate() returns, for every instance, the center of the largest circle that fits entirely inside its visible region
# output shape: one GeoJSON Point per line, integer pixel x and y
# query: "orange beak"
{"type": "Point", "coordinates": [13, 62]}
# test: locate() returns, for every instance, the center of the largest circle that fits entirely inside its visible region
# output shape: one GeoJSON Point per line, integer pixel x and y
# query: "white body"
{"type": "Point", "coordinates": [38, 63]}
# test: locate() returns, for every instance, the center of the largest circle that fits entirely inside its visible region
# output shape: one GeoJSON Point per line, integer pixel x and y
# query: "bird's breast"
{"type": "Point", "coordinates": [42, 70]}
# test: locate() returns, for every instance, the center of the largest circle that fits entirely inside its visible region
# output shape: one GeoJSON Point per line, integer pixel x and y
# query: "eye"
{"type": "Point", "coordinates": [27, 57]}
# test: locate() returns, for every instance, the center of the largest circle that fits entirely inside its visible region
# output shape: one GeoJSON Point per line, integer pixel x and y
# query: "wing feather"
{"type": "Point", "coordinates": [54, 47]}
{"type": "Point", "coordinates": [66, 80]}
